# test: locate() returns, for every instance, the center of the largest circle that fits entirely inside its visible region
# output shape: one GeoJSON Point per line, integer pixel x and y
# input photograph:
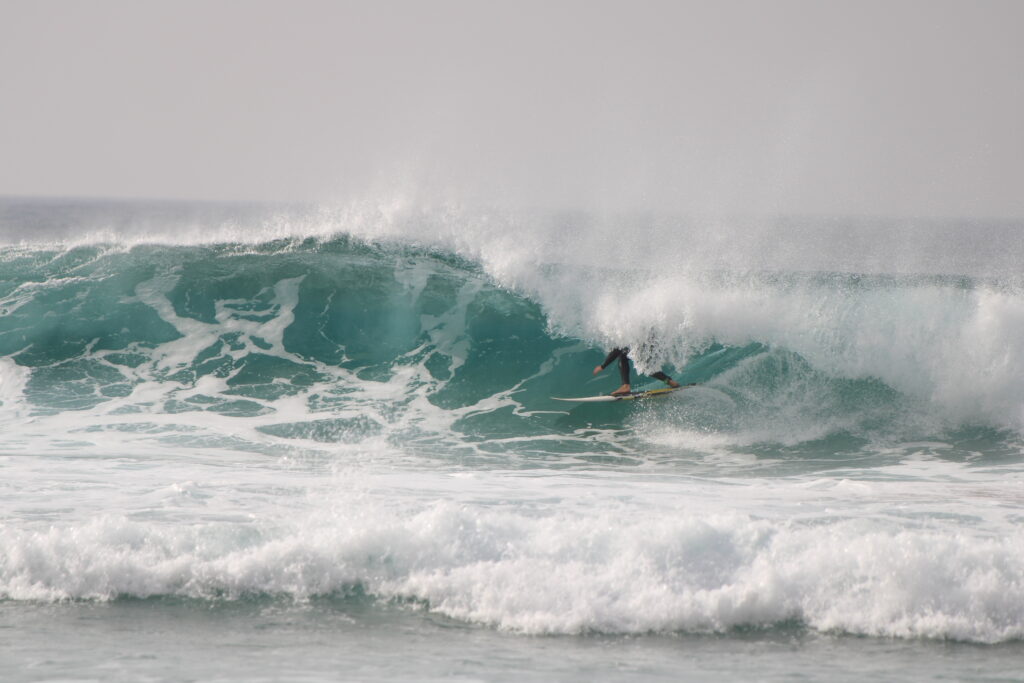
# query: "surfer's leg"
{"type": "Point", "coordinates": [659, 375]}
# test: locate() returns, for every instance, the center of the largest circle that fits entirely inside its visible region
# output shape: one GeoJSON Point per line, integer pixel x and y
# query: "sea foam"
{"type": "Point", "coordinates": [562, 571]}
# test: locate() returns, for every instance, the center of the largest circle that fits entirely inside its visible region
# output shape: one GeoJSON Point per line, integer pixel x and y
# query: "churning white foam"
{"type": "Point", "coordinates": [558, 573]}
{"type": "Point", "coordinates": [13, 378]}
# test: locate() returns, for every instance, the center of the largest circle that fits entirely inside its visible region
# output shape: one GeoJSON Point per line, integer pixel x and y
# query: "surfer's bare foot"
{"type": "Point", "coordinates": [621, 391]}
{"type": "Point", "coordinates": [674, 384]}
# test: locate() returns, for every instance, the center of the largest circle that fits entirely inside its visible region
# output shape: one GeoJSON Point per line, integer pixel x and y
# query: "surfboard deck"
{"type": "Point", "coordinates": [632, 396]}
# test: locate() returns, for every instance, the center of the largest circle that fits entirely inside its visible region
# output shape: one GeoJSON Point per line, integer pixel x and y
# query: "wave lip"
{"type": "Point", "coordinates": [562, 573]}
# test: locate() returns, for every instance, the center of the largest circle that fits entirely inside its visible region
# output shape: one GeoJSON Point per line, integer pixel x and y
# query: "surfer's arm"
{"type": "Point", "coordinates": [615, 353]}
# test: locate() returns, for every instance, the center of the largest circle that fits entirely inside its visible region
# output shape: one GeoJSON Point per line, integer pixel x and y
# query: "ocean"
{"type": "Point", "coordinates": [317, 443]}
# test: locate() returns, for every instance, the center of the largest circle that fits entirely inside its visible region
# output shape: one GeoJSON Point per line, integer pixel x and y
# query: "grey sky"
{"type": "Point", "coordinates": [907, 108]}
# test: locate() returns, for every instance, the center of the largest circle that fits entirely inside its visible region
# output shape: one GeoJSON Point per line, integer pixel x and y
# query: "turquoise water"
{"type": "Point", "coordinates": [263, 443]}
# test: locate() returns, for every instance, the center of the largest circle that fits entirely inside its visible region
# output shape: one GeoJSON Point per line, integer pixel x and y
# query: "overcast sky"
{"type": "Point", "coordinates": [885, 108]}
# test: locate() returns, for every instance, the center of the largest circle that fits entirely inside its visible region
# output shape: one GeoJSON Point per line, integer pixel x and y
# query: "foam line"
{"type": "Point", "coordinates": [560, 573]}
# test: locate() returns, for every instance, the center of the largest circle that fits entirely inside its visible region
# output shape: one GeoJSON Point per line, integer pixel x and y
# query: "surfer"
{"type": "Point", "coordinates": [623, 355]}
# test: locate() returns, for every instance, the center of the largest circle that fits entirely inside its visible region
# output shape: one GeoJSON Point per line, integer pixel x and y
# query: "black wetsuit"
{"type": "Point", "coordinates": [622, 354]}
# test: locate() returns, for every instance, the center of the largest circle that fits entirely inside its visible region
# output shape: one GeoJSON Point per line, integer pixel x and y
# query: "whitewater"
{"type": "Point", "coordinates": [254, 442]}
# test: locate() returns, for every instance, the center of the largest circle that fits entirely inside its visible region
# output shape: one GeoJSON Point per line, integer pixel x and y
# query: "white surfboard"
{"type": "Point", "coordinates": [632, 396]}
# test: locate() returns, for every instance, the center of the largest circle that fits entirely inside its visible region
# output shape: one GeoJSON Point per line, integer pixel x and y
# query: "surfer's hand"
{"type": "Point", "coordinates": [597, 370]}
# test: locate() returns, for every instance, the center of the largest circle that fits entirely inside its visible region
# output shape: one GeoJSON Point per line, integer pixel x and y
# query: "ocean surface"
{"type": "Point", "coordinates": [261, 443]}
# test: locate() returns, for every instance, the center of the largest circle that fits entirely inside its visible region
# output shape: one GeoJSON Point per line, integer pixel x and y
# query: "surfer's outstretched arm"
{"type": "Point", "coordinates": [615, 353]}
{"type": "Point", "coordinates": [621, 354]}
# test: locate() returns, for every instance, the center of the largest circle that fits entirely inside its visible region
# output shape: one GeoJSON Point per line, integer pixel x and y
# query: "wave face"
{"type": "Point", "coordinates": [352, 340]}
{"type": "Point", "coordinates": [378, 386]}
{"type": "Point", "coordinates": [483, 336]}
